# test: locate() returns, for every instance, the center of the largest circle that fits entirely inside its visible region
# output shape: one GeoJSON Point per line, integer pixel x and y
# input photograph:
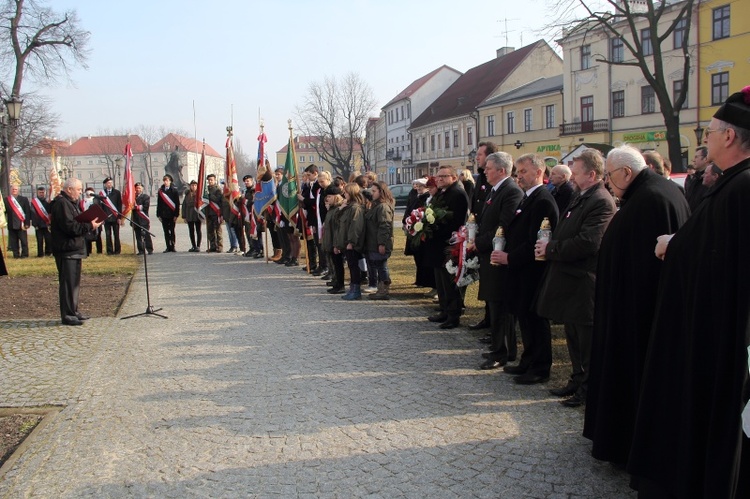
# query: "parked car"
{"type": "Point", "coordinates": [678, 178]}
{"type": "Point", "coordinates": [400, 193]}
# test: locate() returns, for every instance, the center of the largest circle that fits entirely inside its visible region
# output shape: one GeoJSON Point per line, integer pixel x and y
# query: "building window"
{"type": "Point", "coordinates": [527, 120]}
{"type": "Point", "coordinates": [510, 120]}
{"type": "Point", "coordinates": [618, 104]}
{"type": "Point", "coordinates": [91, 161]}
{"type": "Point", "coordinates": [721, 22]}
{"type": "Point", "coordinates": [616, 49]}
{"type": "Point", "coordinates": [91, 175]}
{"type": "Point", "coordinates": [78, 162]}
{"type": "Point", "coordinates": [549, 116]}
{"type": "Point", "coordinates": [455, 137]}
{"type": "Point", "coordinates": [587, 109]}
{"type": "Point", "coordinates": [678, 36]}
{"type": "Point", "coordinates": [302, 158]}
{"type": "Point", "coordinates": [408, 111]}
{"type": "Point", "coordinates": [424, 149]}
{"type": "Point", "coordinates": [676, 90]}
{"type": "Point", "coordinates": [648, 100]}
{"type": "Point", "coordinates": [447, 140]}
{"type": "Point", "coordinates": [491, 125]}
{"type": "Point", "coordinates": [396, 114]}
{"type": "Point", "coordinates": [417, 146]}
{"type": "Point", "coordinates": [440, 141]}
{"type": "Point", "coordinates": [469, 136]}
{"type": "Point", "coordinates": [585, 56]}
{"type": "Point", "coordinates": [719, 88]}
{"type": "Point", "coordinates": [432, 142]}
{"type": "Point", "coordinates": [646, 47]}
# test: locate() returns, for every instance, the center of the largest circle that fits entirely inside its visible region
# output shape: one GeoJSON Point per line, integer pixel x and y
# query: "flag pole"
{"type": "Point", "coordinates": [300, 208]}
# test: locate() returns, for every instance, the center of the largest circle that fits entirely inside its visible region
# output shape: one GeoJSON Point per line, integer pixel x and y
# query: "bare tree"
{"type": "Point", "coordinates": [150, 135]}
{"type": "Point", "coordinates": [334, 113]}
{"type": "Point", "coordinates": [626, 20]}
{"type": "Point", "coordinates": [245, 165]}
{"type": "Point", "coordinates": [38, 42]}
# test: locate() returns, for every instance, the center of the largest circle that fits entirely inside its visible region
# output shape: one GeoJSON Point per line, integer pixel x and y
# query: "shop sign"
{"type": "Point", "coordinates": [633, 138]}
{"type": "Point", "coordinates": [548, 148]}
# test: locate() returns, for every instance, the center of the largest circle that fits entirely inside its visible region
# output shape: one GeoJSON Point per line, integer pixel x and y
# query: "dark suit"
{"type": "Point", "coordinates": [17, 227]}
{"type": "Point", "coordinates": [168, 214]}
{"type": "Point", "coordinates": [40, 222]}
{"type": "Point", "coordinates": [498, 211]}
{"type": "Point", "coordinates": [524, 275]}
{"type": "Point", "coordinates": [567, 291]}
{"type": "Point", "coordinates": [112, 223]}
{"type": "Point", "coordinates": [140, 216]}
{"type": "Point", "coordinates": [452, 198]}
{"type": "Point", "coordinates": [562, 194]}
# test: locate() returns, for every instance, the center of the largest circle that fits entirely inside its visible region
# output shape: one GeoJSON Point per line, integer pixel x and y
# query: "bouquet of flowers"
{"type": "Point", "coordinates": [462, 264]}
{"type": "Point", "coordinates": [421, 223]}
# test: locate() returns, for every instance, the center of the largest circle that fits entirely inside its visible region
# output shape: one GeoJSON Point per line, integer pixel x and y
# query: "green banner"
{"type": "Point", "coordinates": [633, 138]}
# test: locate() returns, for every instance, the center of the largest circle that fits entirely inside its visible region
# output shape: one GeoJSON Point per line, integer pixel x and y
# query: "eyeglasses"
{"type": "Point", "coordinates": [709, 131]}
{"type": "Point", "coordinates": [609, 174]}
{"type": "Point", "coordinates": [444, 176]}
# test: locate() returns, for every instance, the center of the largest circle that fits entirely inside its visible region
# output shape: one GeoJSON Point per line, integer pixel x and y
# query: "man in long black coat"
{"type": "Point", "coordinates": [499, 209]}
{"type": "Point", "coordinates": [451, 197]}
{"type": "Point", "coordinates": [627, 277]}
{"type": "Point", "coordinates": [525, 272]}
{"type": "Point", "coordinates": [567, 291]}
{"type": "Point", "coordinates": [112, 206]}
{"type": "Point", "coordinates": [168, 210]}
{"type": "Point", "coordinates": [140, 216]}
{"type": "Point", "coordinates": [689, 439]}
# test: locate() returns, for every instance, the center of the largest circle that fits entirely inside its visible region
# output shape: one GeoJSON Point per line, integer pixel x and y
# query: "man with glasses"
{"type": "Point", "coordinates": [693, 425]}
{"type": "Point", "coordinates": [451, 197]}
{"type": "Point", "coordinates": [627, 279]}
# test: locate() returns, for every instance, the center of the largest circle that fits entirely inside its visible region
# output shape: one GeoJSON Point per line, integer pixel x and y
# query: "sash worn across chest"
{"type": "Point", "coordinates": [39, 208]}
{"type": "Point", "coordinates": [163, 196]}
{"type": "Point", "coordinates": [16, 207]}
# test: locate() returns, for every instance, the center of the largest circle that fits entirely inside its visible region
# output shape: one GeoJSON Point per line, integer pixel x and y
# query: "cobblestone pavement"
{"type": "Point", "coordinates": [260, 384]}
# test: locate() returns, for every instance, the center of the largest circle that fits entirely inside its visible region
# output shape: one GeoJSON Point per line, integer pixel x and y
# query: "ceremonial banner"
{"type": "Point", "coordinates": [262, 139]}
{"type": "Point", "coordinates": [231, 184]}
{"type": "Point", "coordinates": [3, 220]}
{"type": "Point", "coordinates": [287, 191]}
{"type": "Point", "coordinates": [200, 201]}
{"type": "Point", "coordinates": [265, 192]}
{"type": "Point", "coordinates": [55, 183]}
{"type": "Point", "coordinates": [128, 189]}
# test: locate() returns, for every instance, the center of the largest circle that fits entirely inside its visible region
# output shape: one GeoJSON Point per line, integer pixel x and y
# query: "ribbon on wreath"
{"type": "Point", "coordinates": [458, 242]}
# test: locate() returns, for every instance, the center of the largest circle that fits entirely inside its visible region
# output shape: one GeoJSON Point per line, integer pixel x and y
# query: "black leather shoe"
{"type": "Point", "coordinates": [72, 321]}
{"type": "Point", "coordinates": [438, 318]}
{"type": "Point", "coordinates": [483, 324]}
{"type": "Point", "coordinates": [292, 263]}
{"type": "Point", "coordinates": [450, 324]}
{"type": "Point", "coordinates": [82, 317]}
{"type": "Point", "coordinates": [485, 339]}
{"type": "Point", "coordinates": [574, 401]}
{"type": "Point", "coordinates": [515, 369]}
{"type": "Point", "coordinates": [494, 355]}
{"type": "Point", "coordinates": [491, 364]}
{"type": "Point", "coordinates": [530, 379]}
{"type": "Point", "coordinates": [564, 391]}
{"type": "Point", "coordinates": [337, 291]}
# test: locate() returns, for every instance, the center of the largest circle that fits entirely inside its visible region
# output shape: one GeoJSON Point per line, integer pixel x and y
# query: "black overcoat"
{"type": "Point", "coordinates": [453, 198]}
{"type": "Point", "coordinates": [688, 434]}
{"type": "Point", "coordinates": [524, 272]}
{"type": "Point", "coordinates": [567, 290]}
{"type": "Point", "coordinates": [498, 211]}
{"type": "Point", "coordinates": [627, 277]}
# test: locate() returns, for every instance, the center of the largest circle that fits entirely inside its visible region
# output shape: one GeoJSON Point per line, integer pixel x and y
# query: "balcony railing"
{"type": "Point", "coordinates": [394, 155]}
{"type": "Point", "coordinates": [584, 127]}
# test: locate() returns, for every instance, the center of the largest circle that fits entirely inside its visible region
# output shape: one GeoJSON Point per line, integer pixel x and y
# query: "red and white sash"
{"type": "Point", "coordinates": [39, 208]}
{"type": "Point", "coordinates": [167, 200]}
{"type": "Point", "coordinates": [141, 214]}
{"type": "Point", "coordinates": [109, 203]}
{"type": "Point", "coordinates": [16, 207]}
{"type": "Point", "coordinates": [216, 209]}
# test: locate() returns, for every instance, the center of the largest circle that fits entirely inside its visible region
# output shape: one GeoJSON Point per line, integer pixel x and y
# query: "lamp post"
{"type": "Point", "coordinates": [8, 122]}
{"type": "Point", "coordinates": [699, 133]}
{"type": "Point", "coordinates": [118, 167]}
{"type": "Point", "coordinates": [473, 159]}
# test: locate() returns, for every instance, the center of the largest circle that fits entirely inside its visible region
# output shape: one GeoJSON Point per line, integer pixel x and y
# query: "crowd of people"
{"type": "Point", "coordinates": [649, 280]}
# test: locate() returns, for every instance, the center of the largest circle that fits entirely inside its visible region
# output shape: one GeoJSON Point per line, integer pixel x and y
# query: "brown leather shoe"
{"type": "Point", "coordinates": [276, 255]}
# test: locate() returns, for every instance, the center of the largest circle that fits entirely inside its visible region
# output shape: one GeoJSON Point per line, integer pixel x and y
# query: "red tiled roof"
{"type": "Point", "coordinates": [302, 144]}
{"type": "Point", "coordinates": [185, 143]}
{"type": "Point", "coordinates": [473, 87]}
{"type": "Point", "coordinates": [45, 146]}
{"type": "Point", "coordinates": [417, 84]}
{"type": "Point", "coordinates": [107, 144]}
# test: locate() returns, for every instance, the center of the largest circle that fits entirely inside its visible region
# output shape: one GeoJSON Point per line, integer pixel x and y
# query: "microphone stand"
{"type": "Point", "coordinates": [150, 310]}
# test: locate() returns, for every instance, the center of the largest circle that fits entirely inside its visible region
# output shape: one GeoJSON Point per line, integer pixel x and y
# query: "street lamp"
{"type": "Point", "coordinates": [699, 133]}
{"type": "Point", "coordinates": [118, 166]}
{"type": "Point", "coordinates": [9, 119]}
{"type": "Point", "coordinates": [472, 159]}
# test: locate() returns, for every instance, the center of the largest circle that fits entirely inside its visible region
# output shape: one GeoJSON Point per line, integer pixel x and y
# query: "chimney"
{"type": "Point", "coordinates": [504, 51]}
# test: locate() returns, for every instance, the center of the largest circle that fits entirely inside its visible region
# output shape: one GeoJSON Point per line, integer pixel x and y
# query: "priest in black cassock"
{"type": "Point", "coordinates": [689, 439]}
{"type": "Point", "coordinates": [627, 277]}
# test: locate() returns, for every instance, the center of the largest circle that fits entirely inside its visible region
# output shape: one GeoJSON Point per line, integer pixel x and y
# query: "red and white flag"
{"type": "Point", "coordinates": [231, 184]}
{"type": "Point", "coordinates": [200, 201]}
{"type": "Point", "coordinates": [128, 189]}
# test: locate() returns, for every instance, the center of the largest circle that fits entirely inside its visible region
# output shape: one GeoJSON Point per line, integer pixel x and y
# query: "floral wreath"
{"type": "Point", "coordinates": [462, 263]}
{"type": "Point", "coordinates": [421, 222]}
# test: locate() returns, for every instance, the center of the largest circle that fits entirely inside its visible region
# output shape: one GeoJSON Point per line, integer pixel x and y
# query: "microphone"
{"type": "Point", "coordinates": [97, 196]}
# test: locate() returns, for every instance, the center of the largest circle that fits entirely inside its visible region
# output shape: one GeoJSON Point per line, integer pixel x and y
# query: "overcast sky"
{"type": "Point", "coordinates": [152, 59]}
